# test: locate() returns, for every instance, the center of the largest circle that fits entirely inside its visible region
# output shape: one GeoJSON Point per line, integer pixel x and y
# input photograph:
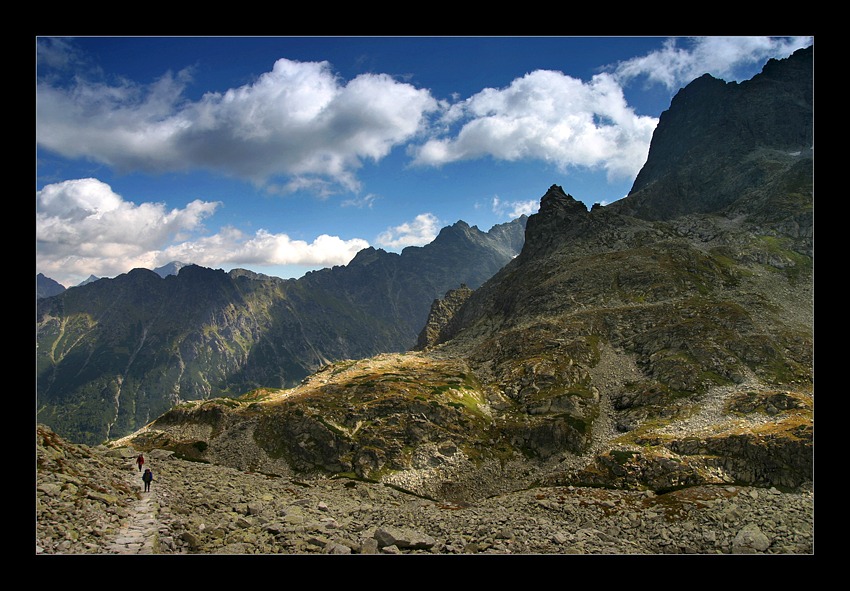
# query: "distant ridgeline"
{"type": "Point", "coordinates": [114, 354]}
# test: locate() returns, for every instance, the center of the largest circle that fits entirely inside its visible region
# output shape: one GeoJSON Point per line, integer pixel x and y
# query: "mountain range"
{"type": "Point", "coordinates": [113, 354]}
{"type": "Point", "coordinates": [660, 342]}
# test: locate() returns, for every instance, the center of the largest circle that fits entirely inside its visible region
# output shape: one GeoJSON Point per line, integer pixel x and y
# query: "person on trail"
{"type": "Point", "coordinates": [147, 477]}
{"type": "Point", "coordinates": [140, 461]}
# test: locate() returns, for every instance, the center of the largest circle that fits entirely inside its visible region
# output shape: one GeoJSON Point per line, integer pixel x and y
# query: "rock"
{"type": "Point", "coordinates": [403, 538]}
{"type": "Point", "coordinates": [750, 540]}
{"type": "Point", "coordinates": [194, 541]}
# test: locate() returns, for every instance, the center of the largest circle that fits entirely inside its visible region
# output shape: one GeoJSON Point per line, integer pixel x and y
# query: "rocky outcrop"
{"type": "Point", "coordinates": [441, 314]}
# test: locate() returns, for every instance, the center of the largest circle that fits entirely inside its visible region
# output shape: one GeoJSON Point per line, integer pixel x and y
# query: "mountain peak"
{"type": "Point", "coordinates": [719, 141]}
{"type": "Point", "coordinates": [172, 268]}
{"type": "Point", "coordinates": [559, 212]}
{"type": "Point", "coordinates": [46, 287]}
{"type": "Point", "coordinates": [91, 279]}
{"type": "Point", "coordinates": [556, 200]}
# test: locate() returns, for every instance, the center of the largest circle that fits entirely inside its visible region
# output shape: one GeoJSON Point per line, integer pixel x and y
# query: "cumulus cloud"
{"type": "Point", "coordinates": [570, 123]}
{"type": "Point", "coordinates": [84, 228]}
{"type": "Point", "coordinates": [674, 66]}
{"type": "Point", "coordinates": [420, 231]}
{"type": "Point", "coordinates": [298, 123]}
{"type": "Point", "coordinates": [547, 116]}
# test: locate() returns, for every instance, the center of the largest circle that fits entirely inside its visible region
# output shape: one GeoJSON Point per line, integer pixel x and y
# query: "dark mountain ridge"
{"type": "Point", "coordinates": [720, 142]}
{"type": "Point", "coordinates": [46, 287]}
{"type": "Point", "coordinates": [115, 353]}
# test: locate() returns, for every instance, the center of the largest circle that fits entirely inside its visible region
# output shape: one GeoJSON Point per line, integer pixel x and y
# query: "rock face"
{"type": "Point", "coordinates": [721, 142]}
{"type": "Point", "coordinates": [442, 311]}
{"type": "Point", "coordinates": [116, 353]}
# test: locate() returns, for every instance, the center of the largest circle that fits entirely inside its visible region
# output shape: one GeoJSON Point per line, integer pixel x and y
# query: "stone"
{"type": "Point", "coordinates": [750, 539]}
{"type": "Point", "coordinates": [403, 538]}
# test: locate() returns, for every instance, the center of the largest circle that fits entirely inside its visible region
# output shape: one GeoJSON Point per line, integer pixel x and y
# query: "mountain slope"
{"type": "Point", "coordinates": [116, 353]}
{"type": "Point", "coordinates": [660, 342]}
{"type": "Point", "coordinates": [46, 287]}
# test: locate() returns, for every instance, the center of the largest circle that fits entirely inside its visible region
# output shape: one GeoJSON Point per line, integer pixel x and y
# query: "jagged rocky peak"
{"type": "Point", "coordinates": [557, 202]}
{"type": "Point", "coordinates": [459, 229]}
{"type": "Point", "coordinates": [91, 279]}
{"type": "Point", "coordinates": [367, 256]}
{"type": "Point", "coordinates": [559, 213]}
{"type": "Point", "coordinates": [172, 268]}
{"type": "Point", "coordinates": [238, 272]}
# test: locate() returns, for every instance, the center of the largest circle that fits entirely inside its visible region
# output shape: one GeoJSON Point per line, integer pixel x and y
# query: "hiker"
{"type": "Point", "coordinates": [140, 461]}
{"type": "Point", "coordinates": [147, 477]}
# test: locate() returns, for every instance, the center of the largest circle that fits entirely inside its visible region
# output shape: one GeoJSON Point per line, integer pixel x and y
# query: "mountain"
{"type": "Point", "coordinates": [662, 342]}
{"type": "Point", "coordinates": [91, 279]}
{"type": "Point", "coordinates": [46, 287]}
{"type": "Point", "coordinates": [172, 268]}
{"type": "Point", "coordinates": [724, 142]}
{"type": "Point", "coordinates": [114, 354]}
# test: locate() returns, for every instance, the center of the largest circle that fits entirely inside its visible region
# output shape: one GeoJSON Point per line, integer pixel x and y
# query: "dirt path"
{"type": "Point", "coordinates": [140, 535]}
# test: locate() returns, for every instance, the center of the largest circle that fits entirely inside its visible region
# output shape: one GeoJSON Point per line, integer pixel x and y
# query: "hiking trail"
{"type": "Point", "coordinates": [140, 534]}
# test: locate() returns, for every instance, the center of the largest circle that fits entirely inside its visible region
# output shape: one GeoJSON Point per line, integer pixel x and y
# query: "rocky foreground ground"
{"type": "Point", "coordinates": [90, 500]}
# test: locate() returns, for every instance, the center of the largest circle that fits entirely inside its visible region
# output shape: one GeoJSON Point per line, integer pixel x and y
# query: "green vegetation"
{"type": "Point", "coordinates": [797, 267]}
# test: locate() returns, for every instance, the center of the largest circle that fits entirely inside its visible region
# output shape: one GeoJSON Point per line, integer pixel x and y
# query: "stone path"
{"type": "Point", "coordinates": [140, 535]}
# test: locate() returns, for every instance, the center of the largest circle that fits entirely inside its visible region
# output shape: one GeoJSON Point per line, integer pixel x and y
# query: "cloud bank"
{"type": "Point", "coordinates": [301, 127]}
{"type": "Point", "coordinates": [674, 65]}
{"type": "Point", "coordinates": [84, 228]}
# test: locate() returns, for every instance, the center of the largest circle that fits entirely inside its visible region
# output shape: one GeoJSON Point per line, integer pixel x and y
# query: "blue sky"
{"type": "Point", "coordinates": [285, 154]}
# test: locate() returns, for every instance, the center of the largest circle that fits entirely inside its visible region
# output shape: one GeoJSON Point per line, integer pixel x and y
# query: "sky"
{"type": "Point", "coordinates": [288, 154]}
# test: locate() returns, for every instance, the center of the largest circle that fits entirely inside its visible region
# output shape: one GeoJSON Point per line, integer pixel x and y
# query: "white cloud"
{"type": "Point", "coordinates": [551, 117]}
{"type": "Point", "coordinates": [84, 228]}
{"type": "Point", "coordinates": [675, 66]}
{"type": "Point", "coordinates": [511, 210]}
{"type": "Point", "coordinates": [232, 248]}
{"type": "Point", "coordinates": [298, 122]}
{"type": "Point", "coordinates": [420, 231]}
{"type": "Point", "coordinates": [547, 116]}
